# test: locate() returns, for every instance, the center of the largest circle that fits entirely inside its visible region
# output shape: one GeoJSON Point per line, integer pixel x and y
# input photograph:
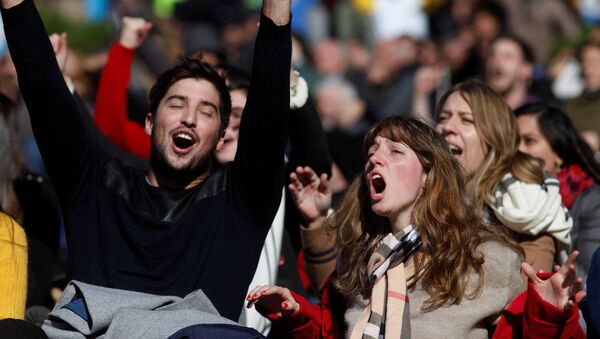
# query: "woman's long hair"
{"type": "Point", "coordinates": [450, 230]}
{"type": "Point", "coordinates": [497, 128]}
{"type": "Point", "coordinates": [563, 137]}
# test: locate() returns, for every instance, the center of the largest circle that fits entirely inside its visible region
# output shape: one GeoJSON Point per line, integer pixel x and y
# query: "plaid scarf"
{"type": "Point", "coordinates": [388, 307]}
{"type": "Point", "coordinates": [573, 180]}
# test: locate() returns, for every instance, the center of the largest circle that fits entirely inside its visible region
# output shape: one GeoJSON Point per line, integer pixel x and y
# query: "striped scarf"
{"type": "Point", "coordinates": [388, 307]}
{"type": "Point", "coordinates": [532, 209]}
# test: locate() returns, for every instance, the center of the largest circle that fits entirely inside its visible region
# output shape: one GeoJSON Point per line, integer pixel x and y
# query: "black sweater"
{"type": "Point", "coordinates": [124, 233]}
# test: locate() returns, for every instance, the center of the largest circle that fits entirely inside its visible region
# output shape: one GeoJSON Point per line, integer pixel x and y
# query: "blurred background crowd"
{"type": "Point", "coordinates": [363, 60]}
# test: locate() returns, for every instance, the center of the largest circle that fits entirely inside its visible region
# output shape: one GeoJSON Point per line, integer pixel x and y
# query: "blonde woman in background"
{"type": "Point", "coordinates": [509, 186]}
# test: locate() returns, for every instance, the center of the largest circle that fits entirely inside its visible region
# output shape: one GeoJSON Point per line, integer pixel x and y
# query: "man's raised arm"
{"type": "Point", "coordinates": [59, 131]}
{"type": "Point", "coordinates": [6, 4]}
{"type": "Point", "coordinates": [258, 165]}
{"type": "Point", "coordinates": [278, 11]}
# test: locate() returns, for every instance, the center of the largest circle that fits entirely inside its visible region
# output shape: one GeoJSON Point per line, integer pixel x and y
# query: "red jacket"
{"type": "Point", "coordinates": [111, 104]}
{"type": "Point", "coordinates": [528, 316]}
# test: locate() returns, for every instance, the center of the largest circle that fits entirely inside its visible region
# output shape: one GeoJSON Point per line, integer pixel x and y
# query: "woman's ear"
{"type": "Point", "coordinates": [558, 163]}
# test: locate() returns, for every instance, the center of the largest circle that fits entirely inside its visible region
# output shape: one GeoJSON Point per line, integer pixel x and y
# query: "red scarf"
{"type": "Point", "coordinates": [573, 180]}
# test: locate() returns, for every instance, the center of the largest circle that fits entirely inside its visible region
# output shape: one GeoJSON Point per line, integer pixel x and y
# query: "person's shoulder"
{"type": "Point", "coordinates": [495, 250]}
{"type": "Point", "coordinates": [499, 258]}
{"type": "Point", "coordinates": [582, 100]}
{"type": "Point", "coordinates": [502, 268]}
{"type": "Point", "coordinates": [587, 203]}
{"type": "Point", "coordinates": [122, 178]}
{"type": "Point", "coordinates": [11, 231]}
{"type": "Point", "coordinates": [592, 193]}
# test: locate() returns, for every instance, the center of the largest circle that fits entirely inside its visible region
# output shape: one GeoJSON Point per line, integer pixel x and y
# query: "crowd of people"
{"type": "Point", "coordinates": [356, 169]}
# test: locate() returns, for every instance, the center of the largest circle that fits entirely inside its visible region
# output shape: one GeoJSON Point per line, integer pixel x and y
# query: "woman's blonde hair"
{"type": "Point", "coordinates": [497, 129]}
{"type": "Point", "coordinates": [450, 230]}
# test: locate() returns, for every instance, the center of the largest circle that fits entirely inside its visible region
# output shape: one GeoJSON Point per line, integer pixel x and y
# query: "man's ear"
{"type": "Point", "coordinates": [526, 71]}
{"type": "Point", "coordinates": [220, 143]}
{"type": "Point", "coordinates": [149, 124]}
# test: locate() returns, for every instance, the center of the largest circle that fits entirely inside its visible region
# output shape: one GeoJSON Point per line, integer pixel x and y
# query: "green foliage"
{"type": "Point", "coordinates": [252, 4]}
{"type": "Point", "coordinates": [84, 37]}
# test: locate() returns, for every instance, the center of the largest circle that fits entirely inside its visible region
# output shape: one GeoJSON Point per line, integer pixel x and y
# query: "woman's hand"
{"type": "Point", "coordinates": [272, 300]}
{"type": "Point", "coordinates": [311, 193]}
{"type": "Point", "coordinates": [563, 288]}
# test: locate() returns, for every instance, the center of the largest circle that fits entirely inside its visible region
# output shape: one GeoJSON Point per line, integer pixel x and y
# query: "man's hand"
{"type": "Point", "coordinates": [6, 4]}
{"type": "Point", "coordinates": [134, 31]}
{"type": "Point", "coordinates": [61, 49]}
{"type": "Point", "coordinates": [277, 10]}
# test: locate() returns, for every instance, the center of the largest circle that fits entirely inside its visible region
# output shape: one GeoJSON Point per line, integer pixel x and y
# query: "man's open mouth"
{"type": "Point", "coordinates": [183, 140]}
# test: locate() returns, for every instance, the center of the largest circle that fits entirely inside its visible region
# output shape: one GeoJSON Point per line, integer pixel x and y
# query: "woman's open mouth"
{"type": "Point", "coordinates": [377, 187]}
{"type": "Point", "coordinates": [455, 150]}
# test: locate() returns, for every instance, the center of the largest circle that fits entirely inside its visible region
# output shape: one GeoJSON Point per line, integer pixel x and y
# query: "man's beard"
{"type": "Point", "coordinates": [506, 88]}
{"type": "Point", "coordinates": [163, 169]}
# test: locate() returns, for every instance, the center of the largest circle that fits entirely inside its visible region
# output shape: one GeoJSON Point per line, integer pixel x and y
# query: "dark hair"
{"type": "Point", "coordinates": [236, 78]}
{"type": "Point", "coordinates": [307, 50]}
{"type": "Point", "coordinates": [494, 9]}
{"type": "Point", "coordinates": [526, 51]}
{"type": "Point", "coordinates": [196, 69]}
{"type": "Point", "coordinates": [563, 137]}
{"type": "Point", "coordinates": [584, 45]}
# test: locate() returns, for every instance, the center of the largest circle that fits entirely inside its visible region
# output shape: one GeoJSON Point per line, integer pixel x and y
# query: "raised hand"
{"type": "Point", "coordinates": [272, 299]}
{"type": "Point", "coordinates": [134, 31]}
{"type": "Point", "coordinates": [61, 49]}
{"type": "Point", "coordinates": [6, 4]}
{"type": "Point", "coordinates": [277, 10]}
{"type": "Point", "coordinates": [563, 288]}
{"type": "Point", "coordinates": [427, 79]}
{"type": "Point", "coordinates": [310, 192]}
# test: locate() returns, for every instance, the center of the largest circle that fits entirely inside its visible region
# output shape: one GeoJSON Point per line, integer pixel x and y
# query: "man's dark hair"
{"type": "Point", "coordinates": [584, 45]}
{"type": "Point", "coordinates": [495, 10]}
{"type": "Point", "coordinates": [236, 78]}
{"type": "Point", "coordinates": [193, 68]}
{"type": "Point", "coordinates": [526, 51]}
{"type": "Point", "coordinates": [563, 137]}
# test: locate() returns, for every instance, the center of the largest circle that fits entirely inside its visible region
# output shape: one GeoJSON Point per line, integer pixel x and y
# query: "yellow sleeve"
{"type": "Point", "coordinates": [13, 268]}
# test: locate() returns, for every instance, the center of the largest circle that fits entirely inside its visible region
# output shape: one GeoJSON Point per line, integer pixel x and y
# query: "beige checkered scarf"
{"type": "Point", "coordinates": [388, 308]}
